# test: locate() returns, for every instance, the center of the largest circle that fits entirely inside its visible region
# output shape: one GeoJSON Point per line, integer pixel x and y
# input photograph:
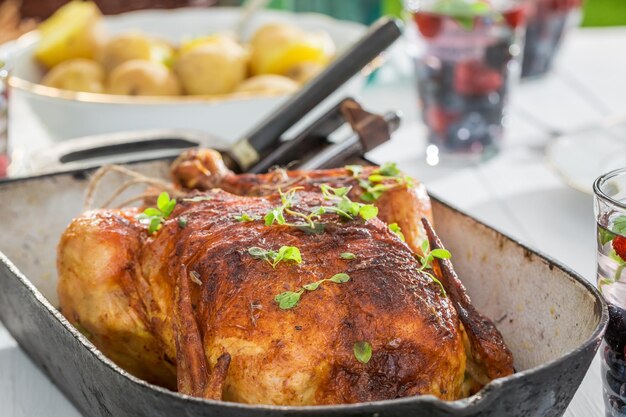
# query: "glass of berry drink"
{"type": "Point", "coordinates": [465, 54]}
{"type": "Point", "coordinates": [547, 23]}
{"type": "Point", "coordinates": [610, 211]}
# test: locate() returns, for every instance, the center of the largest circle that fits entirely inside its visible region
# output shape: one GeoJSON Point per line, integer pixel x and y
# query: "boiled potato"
{"type": "Point", "coordinates": [77, 75]}
{"type": "Point", "coordinates": [277, 48]}
{"type": "Point", "coordinates": [143, 78]}
{"type": "Point", "coordinates": [268, 83]}
{"type": "Point", "coordinates": [129, 46]}
{"type": "Point", "coordinates": [74, 31]}
{"type": "Point", "coordinates": [216, 38]}
{"type": "Point", "coordinates": [214, 68]}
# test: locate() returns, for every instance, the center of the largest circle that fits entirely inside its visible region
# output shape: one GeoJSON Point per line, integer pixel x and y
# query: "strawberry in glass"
{"type": "Point", "coordinates": [465, 56]}
{"type": "Point", "coordinates": [610, 209]}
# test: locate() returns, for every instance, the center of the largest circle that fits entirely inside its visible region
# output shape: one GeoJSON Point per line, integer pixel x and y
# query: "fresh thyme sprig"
{"type": "Point", "coordinates": [289, 299]}
{"type": "Point", "coordinates": [396, 229]}
{"type": "Point", "coordinates": [277, 214]}
{"type": "Point", "coordinates": [155, 216]}
{"type": "Point", "coordinates": [373, 187]}
{"type": "Point", "coordinates": [285, 253]}
{"type": "Point", "coordinates": [427, 261]}
{"type": "Point", "coordinates": [341, 206]}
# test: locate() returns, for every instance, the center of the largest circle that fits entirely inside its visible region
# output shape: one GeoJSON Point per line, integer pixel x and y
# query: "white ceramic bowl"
{"type": "Point", "coordinates": [66, 114]}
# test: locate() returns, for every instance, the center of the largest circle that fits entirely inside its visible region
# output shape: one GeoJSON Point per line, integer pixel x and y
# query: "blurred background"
{"type": "Point", "coordinates": [595, 12]}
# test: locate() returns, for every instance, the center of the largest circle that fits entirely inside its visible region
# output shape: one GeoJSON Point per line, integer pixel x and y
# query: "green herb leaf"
{"type": "Point", "coordinates": [288, 299]}
{"type": "Point", "coordinates": [163, 201]}
{"type": "Point", "coordinates": [316, 229]}
{"type": "Point", "coordinates": [289, 253]}
{"type": "Point", "coordinates": [368, 197]}
{"type": "Point", "coordinates": [182, 222]}
{"type": "Point", "coordinates": [257, 252]}
{"type": "Point", "coordinates": [376, 178]}
{"type": "Point", "coordinates": [331, 193]}
{"type": "Point", "coordinates": [151, 212]}
{"type": "Point", "coordinates": [396, 229]}
{"type": "Point", "coordinates": [169, 208]}
{"type": "Point", "coordinates": [341, 191]}
{"type": "Point", "coordinates": [340, 278]}
{"type": "Point", "coordinates": [269, 218]}
{"type": "Point", "coordinates": [362, 351]}
{"type": "Point", "coordinates": [154, 217]}
{"type": "Point", "coordinates": [605, 236]}
{"type": "Point", "coordinates": [312, 286]}
{"type": "Point", "coordinates": [441, 253]}
{"type": "Point", "coordinates": [244, 217]}
{"type": "Point", "coordinates": [368, 211]}
{"type": "Point", "coordinates": [427, 258]}
{"type": "Point", "coordinates": [388, 169]}
{"type": "Point", "coordinates": [347, 255]}
{"type": "Point", "coordinates": [619, 225]}
{"type": "Point", "coordinates": [155, 224]}
{"type": "Point", "coordinates": [374, 187]}
{"type": "Point", "coordinates": [285, 253]}
{"type": "Point", "coordinates": [274, 216]}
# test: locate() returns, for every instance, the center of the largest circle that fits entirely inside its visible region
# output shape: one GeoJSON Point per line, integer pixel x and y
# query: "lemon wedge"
{"type": "Point", "coordinates": [310, 51]}
{"type": "Point", "coordinates": [71, 32]}
{"type": "Point", "coordinates": [277, 48]}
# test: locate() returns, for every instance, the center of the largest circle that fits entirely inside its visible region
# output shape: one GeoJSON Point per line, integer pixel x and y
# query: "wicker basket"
{"type": "Point", "coordinates": [41, 9]}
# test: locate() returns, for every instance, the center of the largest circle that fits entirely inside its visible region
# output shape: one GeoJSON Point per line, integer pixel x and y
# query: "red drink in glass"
{"type": "Point", "coordinates": [464, 65]}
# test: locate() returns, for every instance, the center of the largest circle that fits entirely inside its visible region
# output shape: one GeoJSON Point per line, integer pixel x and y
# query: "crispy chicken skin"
{"type": "Point", "coordinates": [189, 307]}
{"type": "Point", "coordinates": [204, 169]}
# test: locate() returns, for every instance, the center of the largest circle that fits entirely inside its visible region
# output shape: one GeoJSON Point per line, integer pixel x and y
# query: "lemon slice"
{"type": "Point", "coordinates": [309, 48]}
{"type": "Point", "coordinates": [71, 32]}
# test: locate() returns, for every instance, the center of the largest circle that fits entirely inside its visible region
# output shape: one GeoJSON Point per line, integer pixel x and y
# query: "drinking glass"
{"type": "Point", "coordinates": [548, 20]}
{"type": "Point", "coordinates": [610, 211]}
{"type": "Point", "coordinates": [466, 58]}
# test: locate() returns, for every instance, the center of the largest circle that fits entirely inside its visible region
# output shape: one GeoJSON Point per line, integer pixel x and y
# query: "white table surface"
{"type": "Point", "coordinates": [516, 192]}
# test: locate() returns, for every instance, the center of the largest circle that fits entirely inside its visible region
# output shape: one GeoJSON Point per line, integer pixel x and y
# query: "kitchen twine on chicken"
{"type": "Point", "coordinates": [135, 179]}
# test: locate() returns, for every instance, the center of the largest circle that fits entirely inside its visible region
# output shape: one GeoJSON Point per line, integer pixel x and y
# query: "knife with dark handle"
{"type": "Point", "coordinates": [250, 149]}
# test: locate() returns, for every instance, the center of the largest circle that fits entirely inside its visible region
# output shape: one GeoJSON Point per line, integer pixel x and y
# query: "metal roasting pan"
{"type": "Point", "coordinates": [552, 319]}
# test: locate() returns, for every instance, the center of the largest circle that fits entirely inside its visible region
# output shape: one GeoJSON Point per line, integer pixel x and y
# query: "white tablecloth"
{"type": "Point", "coordinates": [516, 192]}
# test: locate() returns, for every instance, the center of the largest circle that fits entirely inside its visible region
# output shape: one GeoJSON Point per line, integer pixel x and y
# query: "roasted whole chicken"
{"type": "Point", "coordinates": [287, 288]}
